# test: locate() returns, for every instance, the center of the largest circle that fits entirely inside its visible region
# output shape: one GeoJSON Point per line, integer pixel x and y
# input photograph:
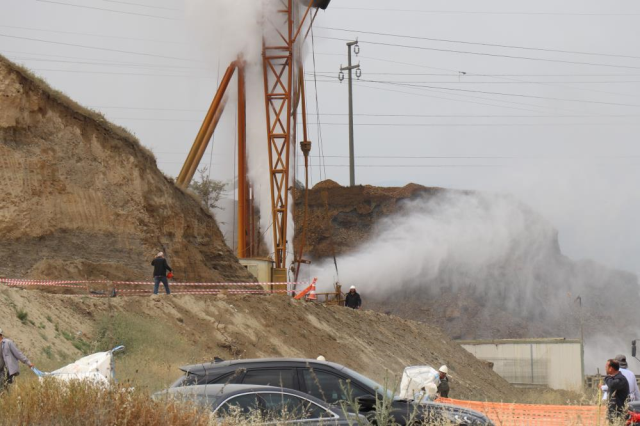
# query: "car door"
{"type": "Point", "coordinates": [283, 407]}
{"type": "Point", "coordinates": [329, 387]}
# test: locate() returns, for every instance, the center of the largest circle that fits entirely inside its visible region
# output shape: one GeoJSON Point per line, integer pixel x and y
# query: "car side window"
{"type": "Point", "coordinates": [221, 380]}
{"type": "Point", "coordinates": [280, 406]}
{"type": "Point", "coordinates": [271, 377]}
{"type": "Point", "coordinates": [241, 405]}
{"type": "Point", "coordinates": [329, 387]}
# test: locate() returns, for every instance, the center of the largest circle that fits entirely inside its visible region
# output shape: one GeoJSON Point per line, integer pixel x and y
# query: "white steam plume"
{"type": "Point", "coordinates": [502, 258]}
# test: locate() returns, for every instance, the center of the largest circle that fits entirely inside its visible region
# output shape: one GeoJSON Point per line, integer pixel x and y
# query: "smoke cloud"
{"type": "Point", "coordinates": [492, 255]}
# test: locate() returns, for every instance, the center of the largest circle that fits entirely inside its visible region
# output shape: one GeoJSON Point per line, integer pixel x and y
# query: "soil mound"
{"type": "Point", "coordinates": [83, 199]}
{"type": "Point", "coordinates": [162, 333]}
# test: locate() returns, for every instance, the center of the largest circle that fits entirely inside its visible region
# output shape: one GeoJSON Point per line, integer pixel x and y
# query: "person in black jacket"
{"type": "Point", "coordinates": [618, 388]}
{"type": "Point", "coordinates": [353, 299]}
{"type": "Point", "coordinates": [160, 268]}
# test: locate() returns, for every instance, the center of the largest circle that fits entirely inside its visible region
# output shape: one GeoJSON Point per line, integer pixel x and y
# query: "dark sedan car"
{"type": "Point", "coordinates": [328, 382]}
{"type": "Point", "coordinates": [263, 404]}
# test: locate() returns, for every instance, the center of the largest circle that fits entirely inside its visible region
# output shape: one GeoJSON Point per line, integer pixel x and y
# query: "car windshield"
{"type": "Point", "coordinates": [381, 390]}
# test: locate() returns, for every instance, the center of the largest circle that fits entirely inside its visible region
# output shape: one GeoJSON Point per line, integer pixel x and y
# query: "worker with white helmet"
{"type": "Point", "coordinates": [353, 299]}
{"type": "Point", "coordinates": [443, 387]}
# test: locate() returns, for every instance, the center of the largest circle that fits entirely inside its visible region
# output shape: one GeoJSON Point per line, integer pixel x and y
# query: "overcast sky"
{"type": "Point", "coordinates": [541, 99]}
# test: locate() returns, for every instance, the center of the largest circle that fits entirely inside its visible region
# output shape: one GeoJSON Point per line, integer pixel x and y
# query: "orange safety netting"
{"type": "Point", "coordinates": [535, 415]}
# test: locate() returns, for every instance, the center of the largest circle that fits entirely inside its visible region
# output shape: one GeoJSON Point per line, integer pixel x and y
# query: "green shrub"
{"type": "Point", "coordinates": [22, 316]}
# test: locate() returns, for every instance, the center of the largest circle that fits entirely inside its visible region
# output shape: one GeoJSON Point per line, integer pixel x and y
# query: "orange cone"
{"type": "Point", "coordinates": [312, 293]}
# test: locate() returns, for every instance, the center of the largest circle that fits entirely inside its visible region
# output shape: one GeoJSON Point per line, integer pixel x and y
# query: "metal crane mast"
{"type": "Point", "coordinates": [283, 92]}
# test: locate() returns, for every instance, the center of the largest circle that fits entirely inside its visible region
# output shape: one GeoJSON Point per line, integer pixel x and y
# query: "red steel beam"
{"type": "Point", "coordinates": [206, 131]}
{"type": "Point", "coordinates": [243, 186]}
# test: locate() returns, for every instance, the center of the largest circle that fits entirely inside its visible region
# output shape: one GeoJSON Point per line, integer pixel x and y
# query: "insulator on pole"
{"type": "Point", "coordinates": [341, 76]}
{"type": "Point", "coordinates": [305, 147]}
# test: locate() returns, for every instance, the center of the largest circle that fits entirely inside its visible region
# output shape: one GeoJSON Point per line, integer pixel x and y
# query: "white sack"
{"type": "Point", "coordinates": [419, 382]}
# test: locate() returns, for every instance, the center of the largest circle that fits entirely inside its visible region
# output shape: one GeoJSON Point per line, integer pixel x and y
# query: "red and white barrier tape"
{"type": "Point", "coordinates": [210, 291]}
{"type": "Point", "coordinates": [47, 283]}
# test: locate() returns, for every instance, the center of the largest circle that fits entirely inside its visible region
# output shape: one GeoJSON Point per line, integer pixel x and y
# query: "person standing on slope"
{"type": "Point", "coordinates": [353, 299]}
{"type": "Point", "coordinates": [160, 268]}
{"type": "Point", "coordinates": [618, 388]}
{"type": "Point", "coordinates": [10, 355]}
{"type": "Point", "coordinates": [634, 392]}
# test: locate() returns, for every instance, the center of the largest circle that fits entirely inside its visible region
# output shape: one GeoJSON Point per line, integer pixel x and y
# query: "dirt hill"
{"type": "Point", "coordinates": [163, 333]}
{"type": "Point", "coordinates": [477, 265]}
{"type": "Point", "coordinates": [81, 198]}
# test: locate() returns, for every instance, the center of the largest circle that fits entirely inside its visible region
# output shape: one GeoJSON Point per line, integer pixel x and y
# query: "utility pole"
{"type": "Point", "coordinates": [352, 162]}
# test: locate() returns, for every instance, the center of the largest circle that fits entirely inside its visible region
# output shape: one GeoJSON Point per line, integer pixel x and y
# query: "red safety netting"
{"type": "Point", "coordinates": [503, 414]}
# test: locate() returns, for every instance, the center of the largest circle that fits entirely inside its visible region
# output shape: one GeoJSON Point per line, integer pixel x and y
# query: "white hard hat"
{"type": "Point", "coordinates": [444, 369]}
{"type": "Point", "coordinates": [353, 287]}
{"type": "Point", "coordinates": [321, 358]}
{"type": "Point", "coordinates": [1, 332]}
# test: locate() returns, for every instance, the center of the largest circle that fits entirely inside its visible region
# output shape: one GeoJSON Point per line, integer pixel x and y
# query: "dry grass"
{"type": "Point", "coordinates": [79, 403]}
{"type": "Point", "coordinates": [153, 350]}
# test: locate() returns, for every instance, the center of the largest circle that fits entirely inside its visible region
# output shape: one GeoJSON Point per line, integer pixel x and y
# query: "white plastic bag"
{"type": "Point", "coordinates": [98, 368]}
{"type": "Point", "coordinates": [419, 383]}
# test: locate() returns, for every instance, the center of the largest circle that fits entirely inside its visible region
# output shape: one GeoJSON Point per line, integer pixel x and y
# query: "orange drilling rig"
{"type": "Point", "coordinates": [284, 92]}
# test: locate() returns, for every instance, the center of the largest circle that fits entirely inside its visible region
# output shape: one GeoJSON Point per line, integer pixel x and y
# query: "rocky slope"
{"type": "Point", "coordinates": [81, 198]}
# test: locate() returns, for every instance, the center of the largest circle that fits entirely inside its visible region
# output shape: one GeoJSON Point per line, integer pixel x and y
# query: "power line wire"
{"type": "Point", "coordinates": [512, 81]}
{"type": "Point", "coordinates": [506, 46]}
{"type": "Point", "coordinates": [123, 73]}
{"type": "Point", "coordinates": [412, 124]}
{"type": "Point", "coordinates": [141, 5]}
{"type": "Point", "coordinates": [392, 115]}
{"type": "Point", "coordinates": [93, 35]}
{"type": "Point", "coordinates": [474, 75]}
{"type": "Point", "coordinates": [467, 101]}
{"type": "Point", "coordinates": [108, 10]}
{"type": "Point", "coordinates": [493, 55]}
{"type": "Point", "coordinates": [97, 48]}
{"type": "Point", "coordinates": [608, 157]}
{"type": "Point", "coordinates": [482, 124]}
{"type": "Point", "coordinates": [518, 95]}
{"type": "Point", "coordinates": [462, 12]}
{"type": "Point", "coordinates": [91, 61]}
{"type": "Point", "coordinates": [319, 126]}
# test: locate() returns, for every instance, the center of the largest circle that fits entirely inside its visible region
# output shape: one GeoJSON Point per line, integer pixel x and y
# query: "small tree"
{"type": "Point", "coordinates": [208, 190]}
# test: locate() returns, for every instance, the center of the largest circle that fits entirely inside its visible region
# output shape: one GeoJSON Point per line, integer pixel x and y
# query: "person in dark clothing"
{"type": "Point", "coordinates": [353, 299]}
{"type": "Point", "coordinates": [618, 388]}
{"type": "Point", "coordinates": [160, 268]}
{"type": "Point", "coordinates": [9, 357]}
{"type": "Point", "coordinates": [443, 387]}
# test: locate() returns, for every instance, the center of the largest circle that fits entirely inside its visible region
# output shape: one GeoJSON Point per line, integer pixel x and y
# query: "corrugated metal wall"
{"type": "Point", "coordinates": [557, 365]}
